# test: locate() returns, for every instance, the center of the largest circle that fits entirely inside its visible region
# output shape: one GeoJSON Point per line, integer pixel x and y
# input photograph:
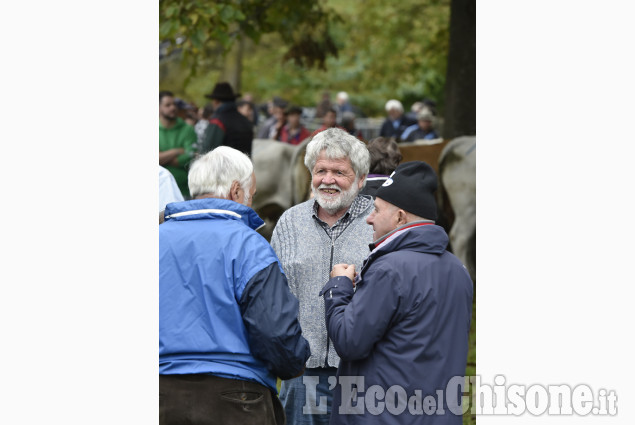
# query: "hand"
{"type": "Point", "coordinates": [347, 270]}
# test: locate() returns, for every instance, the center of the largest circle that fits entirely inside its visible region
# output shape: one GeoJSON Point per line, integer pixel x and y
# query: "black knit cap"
{"type": "Point", "coordinates": [411, 187]}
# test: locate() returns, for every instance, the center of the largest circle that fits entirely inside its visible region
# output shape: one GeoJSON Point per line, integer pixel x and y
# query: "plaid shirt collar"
{"type": "Point", "coordinates": [359, 204]}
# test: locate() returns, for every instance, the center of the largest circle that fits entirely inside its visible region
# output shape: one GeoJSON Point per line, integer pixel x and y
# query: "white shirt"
{"type": "Point", "coordinates": [168, 189]}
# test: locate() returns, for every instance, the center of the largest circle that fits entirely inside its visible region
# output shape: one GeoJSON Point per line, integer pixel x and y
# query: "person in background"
{"type": "Point", "coordinates": [423, 129]}
{"type": "Point", "coordinates": [324, 105]}
{"type": "Point", "coordinates": [384, 158]}
{"type": "Point", "coordinates": [247, 109]}
{"type": "Point", "coordinates": [271, 127]}
{"type": "Point", "coordinates": [396, 122]}
{"type": "Point", "coordinates": [228, 324]}
{"type": "Point", "coordinates": [293, 132]}
{"type": "Point", "coordinates": [248, 97]}
{"type": "Point", "coordinates": [348, 124]}
{"type": "Point", "coordinates": [201, 125]}
{"type": "Point", "coordinates": [309, 238]}
{"type": "Point", "coordinates": [168, 191]}
{"type": "Point", "coordinates": [414, 110]}
{"type": "Point", "coordinates": [227, 127]}
{"type": "Point", "coordinates": [403, 318]}
{"type": "Point", "coordinates": [177, 141]}
{"type": "Point", "coordinates": [329, 121]}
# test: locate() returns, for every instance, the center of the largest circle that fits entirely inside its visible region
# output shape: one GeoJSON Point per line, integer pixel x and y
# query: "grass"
{"type": "Point", "coordinates": [470, 368]}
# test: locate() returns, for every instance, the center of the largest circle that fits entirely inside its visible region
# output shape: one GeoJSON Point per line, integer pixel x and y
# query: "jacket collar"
{"type": "Point", "coordinates": [420, 236]}
{"type": "Point", "coordinates": [212, 208]}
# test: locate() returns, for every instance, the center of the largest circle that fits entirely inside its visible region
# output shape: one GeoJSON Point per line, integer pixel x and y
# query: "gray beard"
{"type": "Point", "coordinates": [345, 199]}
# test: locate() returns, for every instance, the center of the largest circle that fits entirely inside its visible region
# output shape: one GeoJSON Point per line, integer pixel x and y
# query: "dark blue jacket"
{"type": "Point", "coordinates": [225, 307]}
{"type": "Point", "coordinates": [406, 323]}
{"type": "Point", "coordinates": [388, 129]}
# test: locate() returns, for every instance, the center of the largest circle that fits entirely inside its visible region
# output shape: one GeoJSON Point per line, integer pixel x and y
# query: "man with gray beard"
{"type": "Point", "coordinates": [309, 239]}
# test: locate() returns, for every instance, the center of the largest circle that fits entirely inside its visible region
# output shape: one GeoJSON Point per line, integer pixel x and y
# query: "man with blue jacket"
{"type": "Point", "coordinates": [401, 325]}
{"type": "Point", "coordinates": [227, 321]}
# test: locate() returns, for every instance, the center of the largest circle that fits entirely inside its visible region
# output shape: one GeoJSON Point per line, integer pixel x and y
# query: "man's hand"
{"type": "Point", "coordinates": [347, 270]}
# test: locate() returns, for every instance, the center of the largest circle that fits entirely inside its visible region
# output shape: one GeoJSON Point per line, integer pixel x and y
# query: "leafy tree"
{"type": "Point", "coordinates": [372, 49]}
{"type": "Point", "coordinates": [200, 26]}
{"type": "Point", "coordinates": [460, 90]}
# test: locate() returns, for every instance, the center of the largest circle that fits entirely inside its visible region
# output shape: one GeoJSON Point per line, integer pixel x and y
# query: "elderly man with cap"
{"type": "Point", "coordinates": [401, 325]}
{"type": "Point", "coordinates": [227, 126]}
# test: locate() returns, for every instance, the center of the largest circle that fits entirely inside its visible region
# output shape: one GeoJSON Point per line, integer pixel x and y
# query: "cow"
{"type": "Point", "coordinates": [457, 174]}
{"type": "Point", "coordinates": [282, 180]}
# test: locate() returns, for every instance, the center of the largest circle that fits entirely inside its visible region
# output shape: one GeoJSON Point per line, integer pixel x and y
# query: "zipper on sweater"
{"type": "Point", "coordinates": [328, 342]}
{"type": "Point", "coordinates": [332, 249]}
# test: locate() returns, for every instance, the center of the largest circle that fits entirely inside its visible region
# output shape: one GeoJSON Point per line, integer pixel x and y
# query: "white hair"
{"type": "Point", "coordinates": [338, 144]}
{"type": "Point", "coordinates": [394, 104]}
{"type": "Point", "coordinates": [213, 173]}
{"type": "Point", "coordinates": [342, 95]}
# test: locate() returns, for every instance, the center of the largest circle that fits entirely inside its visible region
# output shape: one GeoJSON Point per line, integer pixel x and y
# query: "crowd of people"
{"type": "Point", "coordinates": [356, 282]}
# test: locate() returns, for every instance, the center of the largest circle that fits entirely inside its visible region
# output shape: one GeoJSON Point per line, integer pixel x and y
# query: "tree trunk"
{"type": "Point", "coordinates": [460, 82]}
{"type": "Point", "coordinates": [233, 66]}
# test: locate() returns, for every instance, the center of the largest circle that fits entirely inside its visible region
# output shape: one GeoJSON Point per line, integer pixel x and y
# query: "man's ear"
{"type": "Point", "coordinates": [234, 191]}
{"type": "Point", "coordinates": [402, 217]}
{"type": "Point", "coordinates": [360, 184]}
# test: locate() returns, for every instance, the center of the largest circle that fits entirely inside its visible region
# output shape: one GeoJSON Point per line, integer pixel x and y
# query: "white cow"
{"type": "Point", "coordinates": [281, 179]}
{"type": "Point", "coordinates": [457, 172]}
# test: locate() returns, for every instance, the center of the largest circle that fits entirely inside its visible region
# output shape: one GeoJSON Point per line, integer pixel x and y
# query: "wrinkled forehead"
{"type": "Point", "coordinates": [330, 159]}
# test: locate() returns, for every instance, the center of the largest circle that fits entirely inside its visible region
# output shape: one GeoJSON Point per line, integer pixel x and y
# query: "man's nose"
{"type": "Point", "coordinates": [328, 179]}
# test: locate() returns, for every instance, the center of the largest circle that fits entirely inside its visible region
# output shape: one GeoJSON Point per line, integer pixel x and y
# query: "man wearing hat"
{"type": "Point", "coordinates": [227, 127]}
{"type": "Point", "coordinates": [401, 324]}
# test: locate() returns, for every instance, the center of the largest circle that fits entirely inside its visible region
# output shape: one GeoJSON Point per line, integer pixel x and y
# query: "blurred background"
{"type": "Point", "coordinates": [304, 50]}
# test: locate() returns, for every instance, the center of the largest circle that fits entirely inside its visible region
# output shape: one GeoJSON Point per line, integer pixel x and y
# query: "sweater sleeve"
{"type": "Point", "coordinates": [280, 242]}
{"type": "Point", "coordinates": [270, 314]}
{"type": "Point", "coordinates": [356, 321]}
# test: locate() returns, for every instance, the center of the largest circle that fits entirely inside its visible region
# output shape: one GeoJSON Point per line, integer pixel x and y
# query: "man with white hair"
{"type": "Point", "coordinates": [396, 122]}
{"type": "Point", "coordinates": [310, 238]}
{"type": "Point", "coordinates": [228, 323]}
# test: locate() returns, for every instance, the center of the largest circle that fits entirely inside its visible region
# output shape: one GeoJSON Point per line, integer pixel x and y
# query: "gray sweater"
{"type": "Point", "coordinates": [307, 255]}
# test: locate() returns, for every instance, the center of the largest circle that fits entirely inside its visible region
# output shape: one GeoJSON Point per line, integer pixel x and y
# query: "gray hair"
{"type": "Point", "coordinates": [394, 104]}
{"type": "Point", "coordinates": [338, 144]}
{"type": "Point", "coordinates": [214, 173]}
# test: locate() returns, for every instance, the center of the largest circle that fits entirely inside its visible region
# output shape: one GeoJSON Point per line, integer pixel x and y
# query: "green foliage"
{"type": "Point", "coordinates": [196, 25]}
{"type": "Point", "coordinates": [384, 49]}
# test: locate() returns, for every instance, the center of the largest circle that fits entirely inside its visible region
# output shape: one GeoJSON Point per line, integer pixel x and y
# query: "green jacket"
{"type": "Point", "coordinates": [182, 135]}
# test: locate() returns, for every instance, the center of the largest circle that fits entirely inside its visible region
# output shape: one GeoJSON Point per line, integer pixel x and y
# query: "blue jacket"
{"type": "Point", "coordinates": [406, 323]}
{"type": "Point", "coordinates": [414, 132]}
{"type": "Point", "coordinates": [388, 128]}
{"type": "Point", "coordinates": [225, 306]}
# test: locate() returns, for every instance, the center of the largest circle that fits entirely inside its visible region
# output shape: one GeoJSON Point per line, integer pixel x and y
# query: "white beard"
{"type": "Point", "coordinates": [343, 200]}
